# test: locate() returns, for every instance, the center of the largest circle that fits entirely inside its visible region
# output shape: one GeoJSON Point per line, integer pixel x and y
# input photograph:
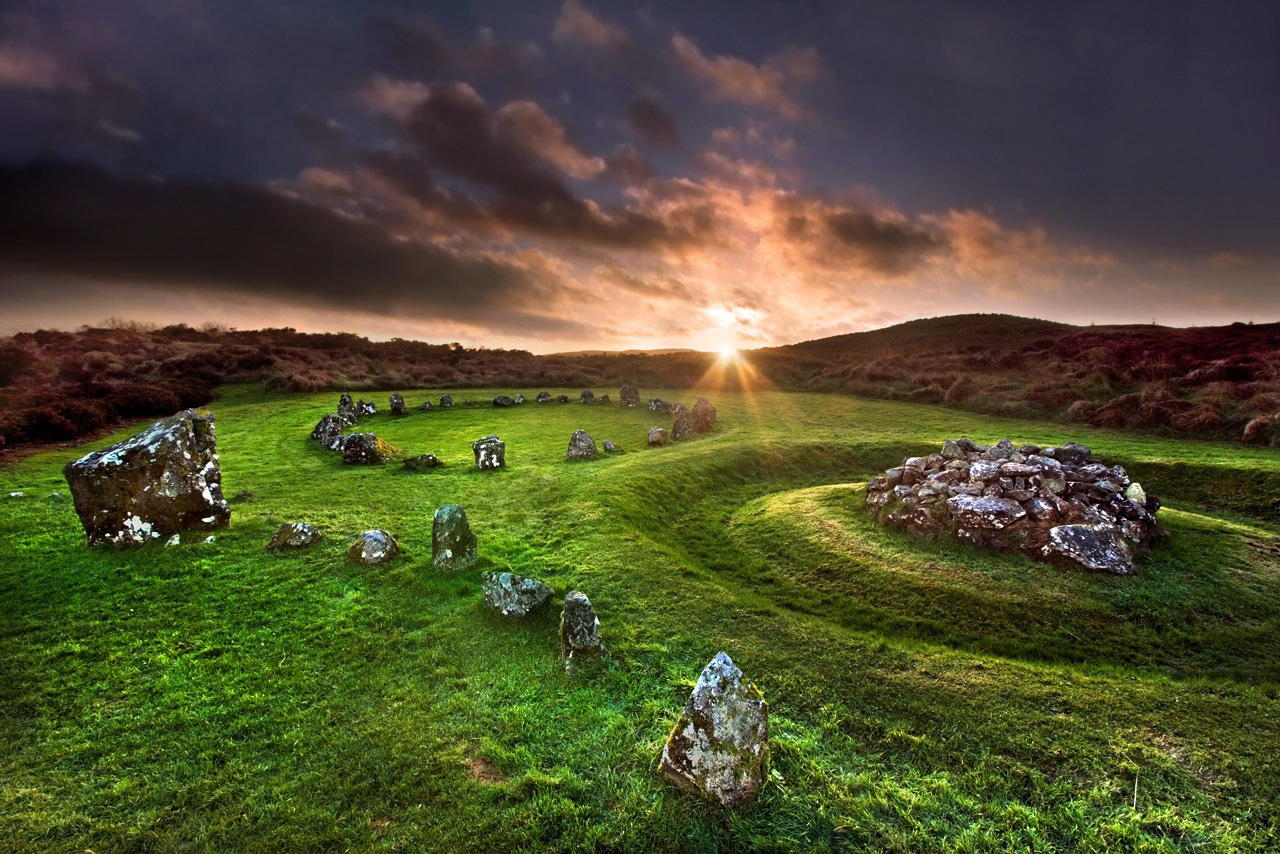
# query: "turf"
{"type": "Point", "coordinates": [924, 696]}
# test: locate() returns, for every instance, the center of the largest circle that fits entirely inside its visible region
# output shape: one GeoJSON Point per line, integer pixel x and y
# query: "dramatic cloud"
{"type": "Point", "coordinates": [578, 25]}
{"type": "Point", "coordinates": [768, 85]}
{"type": "Point", "coordinates": [652, 123]}
{"type": "Point", "coordinates": [59, 219]}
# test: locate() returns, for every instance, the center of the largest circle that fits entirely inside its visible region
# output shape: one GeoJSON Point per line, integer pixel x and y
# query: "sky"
{"type": "Point", "coordinates": [582, 174]}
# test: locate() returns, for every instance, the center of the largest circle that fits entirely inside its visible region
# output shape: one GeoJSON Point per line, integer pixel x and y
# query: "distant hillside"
{"type": "Point", "coordinates": [1221, 382]}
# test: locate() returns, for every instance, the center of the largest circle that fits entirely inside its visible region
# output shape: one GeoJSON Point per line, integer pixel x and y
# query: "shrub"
{"type": "Point", "coordinates": [140, 400]}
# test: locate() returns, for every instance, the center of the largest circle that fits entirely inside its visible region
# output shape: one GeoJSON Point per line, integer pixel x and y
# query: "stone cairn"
{"type": "Point", "coordinates": [1054, 504]}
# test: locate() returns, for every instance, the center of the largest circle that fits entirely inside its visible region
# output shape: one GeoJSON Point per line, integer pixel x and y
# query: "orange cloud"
{"type": "Point", "coordinates": [768, 85]}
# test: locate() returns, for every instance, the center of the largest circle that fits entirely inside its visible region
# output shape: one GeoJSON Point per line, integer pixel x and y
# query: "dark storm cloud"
{"type": "Point", "coordinates": [654, 124]}
{"type": "Point", "coordinates": [416, 44]}
{"type": "Point", "coordinates": [517, 153]}
{"type": "Point", "coordinates": [886, 246]}
{"type": "Point", "coordinates": [62, 219]}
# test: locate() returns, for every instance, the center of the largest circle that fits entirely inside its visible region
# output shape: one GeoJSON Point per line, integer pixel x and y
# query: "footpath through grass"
{"type": "Point", "coordinates": [924, 696]}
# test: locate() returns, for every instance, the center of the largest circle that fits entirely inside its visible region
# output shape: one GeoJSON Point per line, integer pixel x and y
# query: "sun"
{"type": "Point", "coordinates": [728, 354]}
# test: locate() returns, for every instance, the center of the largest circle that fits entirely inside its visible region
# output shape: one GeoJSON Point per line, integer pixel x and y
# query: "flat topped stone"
{"type": "Point", "coordinates": [490, 453]}
{"type": "Point", "coordinates": [979, 511]}
{"type": "Point", "coordinates": [373, 547]}
{"type": "Point", "coordinates": [512, 595]}
{"type": "Point", "coordinates": [164, 480]}
{"type": "Point", "coordinates": [294, 535]}
{"type": "Point", "coordinates": [720, 746]}
{"type": "Point", "coordinates": [1099, 547]}
{"type": "Point", "coordinates": [453, 544]}
{"type": "Point", "coordinates": [422, 462]}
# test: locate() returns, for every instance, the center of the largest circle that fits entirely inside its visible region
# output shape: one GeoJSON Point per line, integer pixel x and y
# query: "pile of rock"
{"type": "Point", "coordinates": [1056, 504]}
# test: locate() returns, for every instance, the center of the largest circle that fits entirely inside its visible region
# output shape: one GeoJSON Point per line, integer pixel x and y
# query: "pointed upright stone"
{"type": "Point", "coordinates": [681, 422]}
{"type": "Point", "coordinates": [579, 628]}
{"type": "Point", "coordinates": [453, 544]}
{"type": "Point", "coordinates": [581, 446]}
{"type": "Point", "coordinates": [397, 404]}
{"type": "Point", "coordinates": [347, 408]}
{"type": "Point", "coordinates": [720, 746]}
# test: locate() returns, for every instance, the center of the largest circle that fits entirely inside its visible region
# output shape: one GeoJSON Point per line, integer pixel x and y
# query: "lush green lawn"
{"type": "Point", "coordinates": [924, 696]}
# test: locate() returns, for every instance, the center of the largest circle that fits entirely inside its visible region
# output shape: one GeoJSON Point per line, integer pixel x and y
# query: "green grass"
{"type": "Point", "coordinates": [924, 696]}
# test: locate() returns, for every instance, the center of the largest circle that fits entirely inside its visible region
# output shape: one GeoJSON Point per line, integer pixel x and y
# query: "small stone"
{"type": "Point", "coordinates": [490, 453]}
{"type": "Point", "coordinates": [503, 400]}
{"type": "Point", "coordinates": [57, 497]}
{"type": "Point", "coordinates": [579, 628]}
{"type": "Point", "coordinates": [581, 446]}
{"type": "Point", "coordinates": [426, 406]}
{"type": "Point", "coordinates": [1136, 494]}
{"type": "Point", "coordinates": [17, 495]}
{"type": "Point", "coordinates": [397, 404]}
{"type": "Point", "coordinates": [294, 535]}
{"type": "Point", "coordinates": [446, 400]}
{"type": "Point", "coordinates": [563, 398]}
{"type": "Point", "coordinates": [373, 547]}
{"type": "Point", "coordinates": [519, 399]}
{"type": "Point", "coordinates": [363, 408]}
{"type": "Point", "coordinates": [658, 436]}
{"type": "Point", "coordinates": [609, 446]}
{"type": "Point", "coordinates": [453, 543]}
{"type": "Point", "coordinates": [210, 540]}
{"type": "Point", "coordinates": [720, 746]}
{"type": "Point", "coordinates": [512, 595]}
{"type": "Point", "coordinates": [422, 462]}
{"type": "Point", "coordinates": [543, 397]}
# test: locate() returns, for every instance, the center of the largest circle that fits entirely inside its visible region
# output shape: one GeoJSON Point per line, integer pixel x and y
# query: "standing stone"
{"type": "Point", "coordinates": [491, 453]}
{"type": "Point", "coordinates": [512, 595]}
{"type": "Point", "coordinates": [681, 422]}
{"type": "Point", "coordinates": [366, 449]}
{"type": "Point", "coordinates": [446, 400]}
{"type": "Point", "coordinates": [397, 404]}
{"type": "Point", "coordinates": [503, 400]}
{"type": "Point", "coordinates": [347, 408]}
{"type": "Point", "coordinates": [657, 404]}
{"type": "Point", "coordinates": [543, 397]}
{"type": "Point", "coordinates": [373, 547]}
{"type": "Point", "coordinates": [519, 399]}
{"type": "Point", "coordinates": [453, 544]}
{"type": "Point", "coordinates": [164, 480]}
{"type": "Point", "coordinates": [363, 408]}
{"type": "Point", "coordinates": [720, 746]}
{"type": "Point", "coordinates": [658, 436]}
{"type": "Point", "coordinates": [629, 395]}
{"type": "Point", "coordinates": [581, 446]}
{"type": "Point", "coordinates": [587, 396]}
{"type": "Point", "coordinates": [579, 628]}
{"type": "Point", "coordinates": [294, 535]}
{"type": "Point", "coordinates": [422, 461]}
{"type": "Point", "coordinates": [703, 416]}
{"type": "Point", "coordinates": [328, 432]}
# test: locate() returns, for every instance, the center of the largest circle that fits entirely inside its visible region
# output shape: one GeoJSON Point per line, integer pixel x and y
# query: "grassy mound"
{"type": "Point", "coordinates": [924, 696]}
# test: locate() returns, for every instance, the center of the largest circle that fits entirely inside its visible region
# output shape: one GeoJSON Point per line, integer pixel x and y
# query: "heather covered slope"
{"type": "Point", "coordinates": [925, 697]}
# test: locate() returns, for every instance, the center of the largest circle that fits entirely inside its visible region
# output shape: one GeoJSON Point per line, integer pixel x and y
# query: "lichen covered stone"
{"type": "Point", "coordinates": [366, 449]}
{"type": "Point", "coordinates": [164, 480]}
{"type": "Point", "coordinates": [453, 543]}
{"type": "Point", "coordinates": [720, 746]}
{"type": "Point", "coordinates": [294, 535]}
{"type": "Point", "coordinates": [579, 628]}
{"type": "Point", "coordinates": [581, 446]}
{"type": "Point", "coordinates": [490, 453]}
{"type": "Point", "coordinates": [373, 547]}
{"type": "Point", "coordinates": [512, 595]}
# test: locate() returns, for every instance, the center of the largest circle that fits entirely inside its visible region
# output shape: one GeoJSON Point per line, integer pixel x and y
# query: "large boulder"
{"type": "Point", "coordinates": [164, 480]}
{"type": "Point", "coordinates": [512, 595]}
{"type": "Point", "coordinates": [397, 404]}
{"type": "Point", "coordinates": [328, 431]}
{"type": "Point", "coordinates": [629, 395]}
{"type": "Point", "coordinates": [658, 436]}
{"type": "Point", "coordinates": [373, 547]}
{"type": "Point", "coordinates": [581, 446]}
{"type": "Point", "coordinates": [453, 543]}
{"type": "Point", "coordinates": [720, 746]}
{"type": "Point", "coordinates": [579, 628]}
{"type": "Point", "coordinates": [366, 449]}
{"type": "Point", "coordinates": [421, 462]}
{"type": "Point", "coordinates": [490, 452]}
{"type": "Point", "coordinates": [294, 535]}
{"type": "Point", "coordinates": [681, 422]}
{"type": "Point", "coordinates": [703, 416]}
{"type": "Point", "coordinates": [446, 400]}
{"type": "Point", "coordinates": [1099, 547]}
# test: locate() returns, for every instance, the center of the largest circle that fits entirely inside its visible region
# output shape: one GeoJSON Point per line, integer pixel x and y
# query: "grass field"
{"type": "Point", "coordinates": [924, 696]}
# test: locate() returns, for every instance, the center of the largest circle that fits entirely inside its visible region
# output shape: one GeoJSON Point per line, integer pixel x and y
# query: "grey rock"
{"type": "Point", "coordinates": [512, 595]}
{"type": "Point", "coordinates": [543, 397]}
{"type": "Point", "coordinates": [658, 436]}
{"type": "Point", "coordinates": [397, 404]}
{"type": "Point", "coordinates": [490, 453]}
{"type": "Point", "coordinates": [446, 401]}
{"type": "Point", "coordinates": [503, 400]}
{"type": "Point", "coordinates": [581, 446]}
{"type": "Point", "coordinates": [629, 395]}
{"type": "Point", "coordinates": [587, 396]}
{"type": "Point", "coordinates": [294, 535]}
{"type": "Point", "coordinates": [347, 408]}
{"type": "Point", "coordinates": [1098, 547]}
{"type": "Point", "coordinates": [519, 399]}
{"type": "Point", "coordinates": [422, 462]}
{"type": "Point", "coordinates": [579, 628]}
{"type": "Point", "coordinates": [163, 480]}
{"type": "Point", "coordinates": [453, 543]}
{"type": "Point", "coordinates": [719, 748]}
{"type": "Point", "coordinates": [365, 449]}
{"type": "Point", "coordinates": [609, 446]}
{"type": "Point", "coordinates": [982, 512]}
{"type": "Point", "coordinates": [328, 431]}
{"type": "Point", "coordinates": [703, 416]}
{"type": "Point", "coordinates": [681, 422]}
{"type": "Point", "coordinates": [373, 547]}
{"type": "Point", "coordinates": [364, 408]}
